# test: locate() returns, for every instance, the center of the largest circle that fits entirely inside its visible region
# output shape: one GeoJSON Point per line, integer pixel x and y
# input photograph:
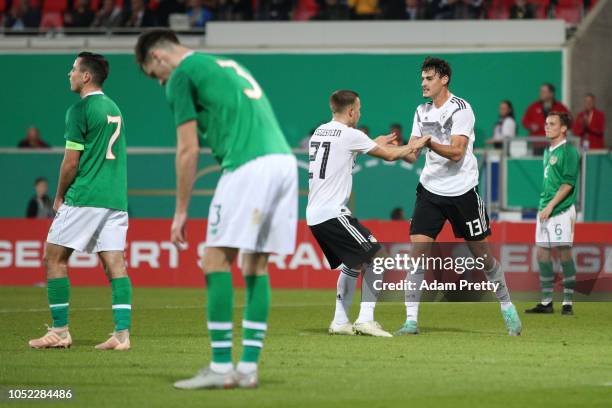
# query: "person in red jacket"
{"type": "Point", "coordinates": [535, 115]}
{"type": "Point", "coordinates": [590, 124]}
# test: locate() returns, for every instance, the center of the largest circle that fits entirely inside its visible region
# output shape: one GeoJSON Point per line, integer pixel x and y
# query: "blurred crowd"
{"type": "Point", "coordinates": [28, 15]}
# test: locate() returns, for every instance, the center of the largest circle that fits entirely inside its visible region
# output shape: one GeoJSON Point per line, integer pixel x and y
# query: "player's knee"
{"type": "Point", "coordinates": [54, 265]}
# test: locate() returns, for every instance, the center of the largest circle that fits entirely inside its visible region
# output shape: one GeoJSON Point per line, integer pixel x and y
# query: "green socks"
{"type": "Point", "coordinates": [255, 324]}
{"type": "Point", "coordinates": [547, 280]}
{"type": "Point", "coordinates": [58, 293]}
{"type": "Point", "coordinates": [569, 281]}
{"type": "Point", "coordinates": [220, 308]}
{"type": "Point", "coordinates": [122, 302]}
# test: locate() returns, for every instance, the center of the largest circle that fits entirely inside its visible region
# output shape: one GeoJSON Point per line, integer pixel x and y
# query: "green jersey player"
{"type": "Point", "coordinates": [217, 102]}
{"type": "Point", "coordinates": [91, 203]}
{"type": "Point", "coordinates": [557, 214]}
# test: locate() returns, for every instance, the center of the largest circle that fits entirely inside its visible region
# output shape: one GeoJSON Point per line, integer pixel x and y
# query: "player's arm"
{"type": "Point", "coordinates": [68, 171]}
{"type": "Point", "coordinates": [463, 126]}
{"type": "Point", "coordinates": [187, 152]}
{"type": "Point", "coordinates": [414, 141]}
{"type": "Point", "coordinates": [454, 151]}
{"type": "Point", "coordinates": [563, 191]}
{"type": "Point", "coordinates": [390, 152]}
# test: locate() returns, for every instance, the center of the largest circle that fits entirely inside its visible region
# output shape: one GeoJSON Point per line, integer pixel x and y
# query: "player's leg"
{"type": "Point", "coordinates": [365, 323]}
{"type": "Point", "coordinates": [345, 291]}
{"type": "Point", "coordinates": [421, 246]}
{"type": "Point", "coordinates": [217, 264]}
{"type": "Point", "coordinates": [547, 275]}
{"type": "Point", "coordinates": [565, 230]}
{"type": "Point", "coordinates": [468, 216]}
{"type": "Point", "coordinates": [255, 319]}
{"type": "Point", "coordinates": [569, 279]}
{"type": "Point", "coordinates": [114, 266]}
{"type": "Point", "coordinates": [427, 221]}
{"type": "Point", "coordinates": [495, 274]}
{"type": "Point", "coordinates": [58, 293]}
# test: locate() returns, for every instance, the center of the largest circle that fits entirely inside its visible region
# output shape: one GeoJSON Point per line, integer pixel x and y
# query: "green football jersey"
{"type": "Point", "coordinates": [95, 125]}
{"type": "Point", "coordinates": [234, 117]}
{"type": "Point", "coordinates": [561, 166]}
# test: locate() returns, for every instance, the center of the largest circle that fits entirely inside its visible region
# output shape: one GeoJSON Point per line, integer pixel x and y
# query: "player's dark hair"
{"type": "Point", "coordinates": [40, 180]}
{"type": "Point", "coordinates": [342, 99]}
{"type": "Point", "coordinates": [507, 102]}
{"type": "Point", "coordinates": [149, 39]}
{"type": "Point", "coordinates": [396, 126]}
{"type": "Point", "coordinates": [589, 94]}
{"type": "Point", "coordinates": [550, 87]}
{"type": "Point", "coordinates": [440, 66]}
{"type": "Point", "coordinates": [564, 117]}
{"type": "Point", "coordinates": [96, 65]}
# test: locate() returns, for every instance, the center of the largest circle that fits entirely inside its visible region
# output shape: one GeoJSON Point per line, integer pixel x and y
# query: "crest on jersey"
{"type": "Point", "coordinates": [372, 239]}
{"type": "Point", "coordinates": [553, 160]}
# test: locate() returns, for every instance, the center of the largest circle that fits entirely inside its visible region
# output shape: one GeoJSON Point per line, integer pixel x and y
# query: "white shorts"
{"type": "Point", "coordinates": [558, 230]}
{"type": "Point", "coordinates": [255, 206]}
{"type": "Point", "coordinates": [89, 229]}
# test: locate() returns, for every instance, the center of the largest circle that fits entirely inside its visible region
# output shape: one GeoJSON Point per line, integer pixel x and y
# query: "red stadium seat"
{"type": "Point", "coordinates": [2, 6]}
{"type": "Point", "coordinates": [571, 15]}
{"type": "Point", "coordinates": [95, 4]}
{"type": "Point", "coordinates": [499, 9]}
{"type": "Point", "coordinates": [305, 10]}
{"type": "Point", "coordinates": [57, 6]}
{"type": "Point", "coordinates": [51, 19]}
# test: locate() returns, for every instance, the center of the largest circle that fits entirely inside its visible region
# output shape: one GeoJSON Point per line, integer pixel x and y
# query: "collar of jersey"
{"type": "Point", "coordinates": [560, 144]}
{"type": "Point", "coordinates": [187, 55]}
{"type": "Point", "coordinates": [93, 93]}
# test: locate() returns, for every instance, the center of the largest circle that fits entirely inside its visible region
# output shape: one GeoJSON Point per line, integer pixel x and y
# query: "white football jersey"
{"type": "Point", "coordinates": [443, 176]}
{"type": "Point", "coordinates": [333, 148]}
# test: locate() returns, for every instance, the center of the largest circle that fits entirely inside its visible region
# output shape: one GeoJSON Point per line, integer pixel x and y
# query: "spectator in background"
{"type": "Point", "coordinates": [274, 9]}
{"type": "Point", "coordinates": [590, 124]}
{"type": "Point", "coordinates": [41, 205]}
{"type": "Point", "coordinates": [333, 10]}
{"type": "Point", "coordinates": [397, 129]}
{"type": "Point", "coordinates": [505, 126]}
{"type": "Point", "coordinates": [139, 16]}
{"type": "Point", "coordinates": [234, 10]}
{"type": "Point", "coordinates": [32, 140]}
{"type": "Point", "coordinates": [167, 7]}
{"type": "Point", "coordinates": [397, 214]}
{"type": "Point", "coordinates": [522, 10]}
{"type": "Point", "coordinates": [23, 15]}
{"type": "Point", "coordinates": [413, 11]}
{"type": "Point", "coordinates": [108, 16]}
{"type": "Point", "coordinates": [80, 16]}
{"type": "Point", "coordinates": [199, 14]}
{"type": "Point", "coordinates": [535, 115]}
{"type": "Point", "coordinates": [364, 9]}
{"type": "Point", "coordinates": [459, 9]}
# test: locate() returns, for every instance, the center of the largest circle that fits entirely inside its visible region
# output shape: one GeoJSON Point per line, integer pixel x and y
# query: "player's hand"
{"type": "Point", "coordinates": [386, 140]}
{"type": "Point", "coordinates": [545, 213]}
{"type": "Point", "coordinates": [178, 235]}
{"type": "Point", "coordinates": [57, 203]}
{"type": "Point", "coordinates": [418, 143]}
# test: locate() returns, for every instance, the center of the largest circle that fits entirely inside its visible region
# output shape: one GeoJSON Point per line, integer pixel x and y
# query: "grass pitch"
{"type": "Point", "coordinates": [462, 358]}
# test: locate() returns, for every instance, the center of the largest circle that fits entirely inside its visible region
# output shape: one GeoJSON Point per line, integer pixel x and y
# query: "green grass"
{"type": "Point", "coordinates": [462, 358]}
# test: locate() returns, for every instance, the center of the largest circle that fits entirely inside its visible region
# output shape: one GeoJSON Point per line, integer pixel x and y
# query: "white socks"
{"type": "Point", "coordinates": [345, 289]}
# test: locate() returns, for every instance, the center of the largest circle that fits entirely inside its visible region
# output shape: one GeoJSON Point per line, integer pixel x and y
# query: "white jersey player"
{"type": "Point", "coordinates": [333, 149]}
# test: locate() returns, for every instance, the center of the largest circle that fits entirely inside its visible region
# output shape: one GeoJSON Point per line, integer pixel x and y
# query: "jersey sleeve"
{"type": "Point", "coordinates": [75, 125]}
{"type": "Point", "coordinates": [359, 142]}
{"type": "Point", "coordinates": [180, 96]}
{"type": "Point", "coordinates": [463, 122]}
{"type": "Point", "coordinates": [416, 129]}
{"type": "Point", "coordinates": [570, 168]}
